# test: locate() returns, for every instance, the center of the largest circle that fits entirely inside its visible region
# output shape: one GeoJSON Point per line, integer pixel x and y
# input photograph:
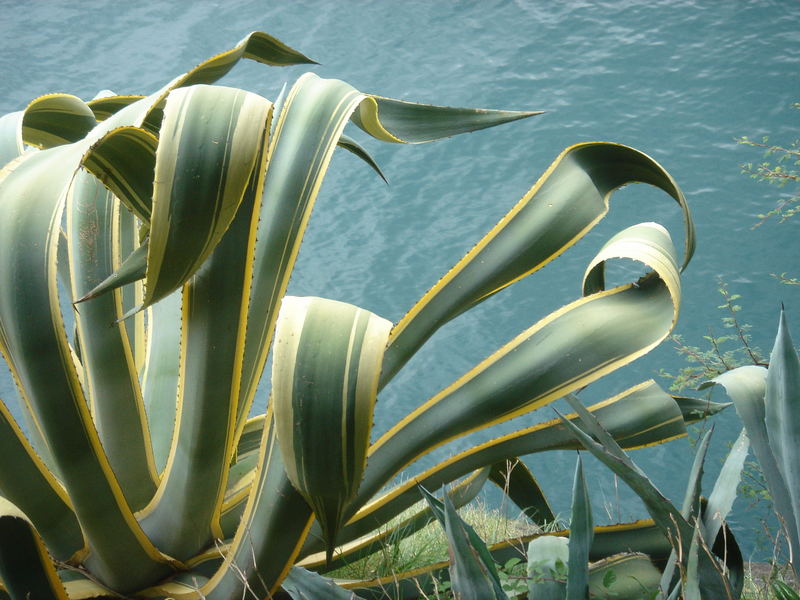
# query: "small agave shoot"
{"type": "Point", "coordinates": [173, 221]}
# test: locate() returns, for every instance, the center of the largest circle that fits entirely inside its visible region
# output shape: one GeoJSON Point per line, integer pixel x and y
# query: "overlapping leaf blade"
{"type": "Point", "coordinates": [567, 201]}
{"type": "Point", "coordinates": [38, 353]}
{"type": "Point", "coordinates": [782, 413]}
{"type": "Point", "coordinates": [680, 533]}
{"type": "Point", "coordinates": [25, 565]}
{"type": "Point", "coordinates": [27, 483]}
{"type": "Point", "coordinates": [746, 386]}
{"type": "Point", "coordinates": [640, 416]}
{"type": "Point", "coordinates": [307, 130]}
{"type": "Point", "coordinates": [109, 371]}
{"type": "Point", "coordinates": [565, 351]}
{"type": "Point", "coordinates": [325, 372]}
{"type": "Point", "coordinates": [212, 327]}
{"type": "Point", "coordinates": [209, 141]}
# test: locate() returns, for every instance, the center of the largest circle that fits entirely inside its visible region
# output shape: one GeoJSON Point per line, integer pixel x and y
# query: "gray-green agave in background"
{"type": "Point", "coordinates": [173, 222]}
{"type": "Point", "coordinates": [768, 403]}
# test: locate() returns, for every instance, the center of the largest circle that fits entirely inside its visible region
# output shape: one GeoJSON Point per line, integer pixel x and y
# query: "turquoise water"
{"type": "Point", "coordinates": [678, 80]}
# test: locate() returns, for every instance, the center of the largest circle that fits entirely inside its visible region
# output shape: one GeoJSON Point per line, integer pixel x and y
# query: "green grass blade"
{"type": "Point", "coordinates": [782, 591]}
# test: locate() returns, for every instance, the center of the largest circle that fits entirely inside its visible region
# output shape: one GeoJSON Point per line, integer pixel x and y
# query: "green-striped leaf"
{"type": "Point", "coordinates": [109, 371]}
{"type": "Point", "coordinates": [26, 569]}
{"type": "Point", "coordinates": [327, 359]}
{"type": "Point", "coordinates": [307, 129]}
{"type": "Point", "coordinates": [405, 122]}
{"type": "Point", "coordinates": [56, 119]}
{"type": "Point", "coordinates": [124, 160]}
{"type": "Point", "coordinates": [270, 534]}
{"type": "Point", "coordinates": [563, 352]}
{"type": "Point", "coordinates": [27, 483]}
{"type": "Point", "coordinates": [212, 332]}
{"type": "Point", "coordinates": [209, 141]}
{"type": "Point", "coordinates": [41, 360]}
{"type": "Point", "coordinates": [568, 200]}
{"type": "Point", "coordinates": [640, 416]}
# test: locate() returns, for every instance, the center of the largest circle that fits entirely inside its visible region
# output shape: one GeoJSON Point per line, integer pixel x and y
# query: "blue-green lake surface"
{"type": "Point", "coordinates": [679, 80]}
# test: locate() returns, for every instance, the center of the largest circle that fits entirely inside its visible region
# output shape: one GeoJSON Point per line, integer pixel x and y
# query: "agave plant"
{"type": "Point", "coordinates": [768, 403]}
{"type": "Point", "coordinates": [559, 566]}
{"type": "Point", "coordinates": [170, 224]}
